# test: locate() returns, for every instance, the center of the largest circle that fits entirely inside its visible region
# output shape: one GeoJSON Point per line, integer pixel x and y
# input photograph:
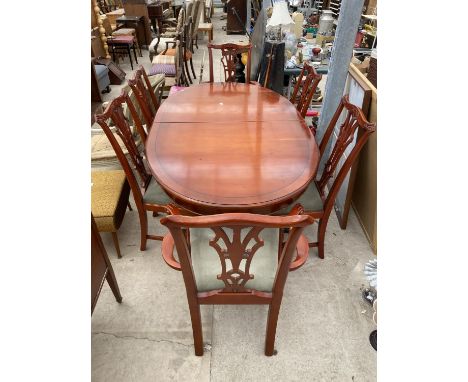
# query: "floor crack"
{"type": "Point", "coordinates": [143, 338]}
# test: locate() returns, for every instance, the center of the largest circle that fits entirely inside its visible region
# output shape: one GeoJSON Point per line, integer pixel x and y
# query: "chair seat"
{"type": "Point", "coordinates": [102, 152]}
{"type": "Point", "coordinates": [310, 200]}
{"type": "Point", "coordinates": [123, 39]}
{"type": "Point", "coordinates": [204, 27]}
{"type": "Point", "coordinates": [155, 194]}
{"type": "Point", "coordinates": [207, 265]}
{"type": "Point", "coordinates": [168, 69]}
{"type": "Point", "coordinates": [164, 59]}
{"type": "Point", "coordinates": [109, 197]}
{"type": "Point", "coordinates": [172, 52]}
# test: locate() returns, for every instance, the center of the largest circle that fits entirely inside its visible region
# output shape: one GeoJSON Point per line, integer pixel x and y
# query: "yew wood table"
{"type": "Point", "coordinates": [231, 147]}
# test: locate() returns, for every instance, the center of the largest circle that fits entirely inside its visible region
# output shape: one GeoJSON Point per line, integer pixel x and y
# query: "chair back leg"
{"type": "Point", "coordinates": [195, 316]}
{"type": "Point", "coordinates": [273, 313]}
{"type": "Point", "coordinates": [116, 244]}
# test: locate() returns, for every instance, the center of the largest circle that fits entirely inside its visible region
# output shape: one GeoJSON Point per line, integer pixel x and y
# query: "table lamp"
{"type": "Point", "coordinates": [280, 17]}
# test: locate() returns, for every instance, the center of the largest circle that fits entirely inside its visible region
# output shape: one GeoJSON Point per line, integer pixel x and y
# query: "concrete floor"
{"type": "Point", "coordinates": [323, 326]}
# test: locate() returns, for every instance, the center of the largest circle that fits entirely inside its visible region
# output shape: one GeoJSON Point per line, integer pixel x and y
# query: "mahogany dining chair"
{"type": "Point", "coordinates": [230, 54]}
{"type": "Point", "coordinates": [233, 258]}
{"type": "Point", "coordinates": [147, 193]}
{"type": "Point", "coordinates": [145, 96]}
{"type": "Point", "coordinates": [304, 90]}
{"type": "Point", "coordinates": [316, 201]}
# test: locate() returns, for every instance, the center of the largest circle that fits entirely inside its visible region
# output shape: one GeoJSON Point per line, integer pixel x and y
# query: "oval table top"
{"type": "Point", "coordinates": [231, 147]}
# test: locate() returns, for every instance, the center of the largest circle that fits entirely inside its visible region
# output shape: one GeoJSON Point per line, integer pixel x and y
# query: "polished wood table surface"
{"type": "Point", "coordinates": [228, 147]}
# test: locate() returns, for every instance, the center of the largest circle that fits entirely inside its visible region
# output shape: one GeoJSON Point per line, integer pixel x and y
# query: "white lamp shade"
{"type": "Point", "coordinates": [280, 16]}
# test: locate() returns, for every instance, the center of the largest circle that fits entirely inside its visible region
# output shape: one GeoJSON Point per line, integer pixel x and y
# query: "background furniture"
{"type": "Point", "coordinates": [319, 198]}
{"type": "Point", "coordinates": [232, 22]}
{"type": "Point", "coordinates": [254, 152]}
{"type": "Point", "coordinates": [116, 75]}
{"type": "Point", "coordinates": [101, 268]}
{"type": "Point", "coordinates": [109, 200]}
{"type": "Point", "coordinates": [231, 61]}
{"type": "Point", "coordinates": [138, 24]}
{"type": "Point", "coordinates": [122, 45]}
{"type": "Point", "coordinates": [147, 193]}
{"type": "Point", "coordinates": [102, 77]}
{"type": "Point", "coordinates": [139, 8]}
{"type": "Point", "coordinates": [224, 269]}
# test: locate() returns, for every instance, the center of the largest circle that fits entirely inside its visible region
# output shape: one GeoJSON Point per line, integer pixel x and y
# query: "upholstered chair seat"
{"type": "Point", "coordinates": [109, 199]}
{"type": "Point", "coordinates": [206, 264]}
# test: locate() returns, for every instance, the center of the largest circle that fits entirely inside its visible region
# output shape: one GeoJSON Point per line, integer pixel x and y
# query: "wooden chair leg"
{"type": "Point", "coordinates": [116, 244]}
{"type": "Point", "coordinates": [143, 229]}
{"type": "Point", "coordinates": [210, 35]}
{"type": "Point", "coordinates": [322, 228]}
{"type": "Point", "coordinates": [188, 73]}
{"type": "Point", "coordinates": [193, 70]}
{"type": "Point", "coordinates": [110, 277]}
{"type": "Point", "coordinates": [129, 206]}
{"type": "Point", "coordinates": [273, 313]}
{"type": "Point", "coordinates": [130, 56]}
{"type": "Point", "coordinates": [196, 328]}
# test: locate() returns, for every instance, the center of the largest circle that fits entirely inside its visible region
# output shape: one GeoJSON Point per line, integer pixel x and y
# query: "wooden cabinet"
{"type": "Point", "coordinates": [233, 25]}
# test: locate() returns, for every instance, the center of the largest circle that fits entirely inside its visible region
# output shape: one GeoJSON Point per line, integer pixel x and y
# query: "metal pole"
{"type": "Point", "coordinates": [348, 22]}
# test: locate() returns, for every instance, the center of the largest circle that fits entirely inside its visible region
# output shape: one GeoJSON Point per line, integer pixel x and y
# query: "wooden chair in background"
{"type": "Point", "coordinates": [235, 265]}
{"type": "Point", "coordinates": [304, 90]}
{"type": "Point", "coordinates": [230, 54]}
{"type": "Point", "coordinates": [147, 193]}
{"type": "Point", "coordinates": [316, 202]}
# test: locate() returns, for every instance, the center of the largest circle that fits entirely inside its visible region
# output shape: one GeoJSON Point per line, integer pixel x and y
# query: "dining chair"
{"type": "Point", "coordinates": [158, 44]}
{"type": "Point", "coordinates": [147, 193]}
{"type": "Point", "coordinates": [232, 258]}
{"type": "Point", "coordinates": [122, 45]}
{"type": "Point", "coordinates": [145, 96]}
{"type": "Point", "coordinates": [304, 90]}
{"type": "Point", "coordinates": [316, 201]}
{"type": "Point", "coordinates": [230, 55]}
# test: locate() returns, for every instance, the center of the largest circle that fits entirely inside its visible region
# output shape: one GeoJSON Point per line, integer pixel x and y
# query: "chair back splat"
{"type": "Point", "coordinates": [304, 90]}
{"type": "Point", "coordinates": [233, 259]}
{"type": "Point", "coordinates": [230, 54]}
{"type": "Point", "coordinates": [144, 95]}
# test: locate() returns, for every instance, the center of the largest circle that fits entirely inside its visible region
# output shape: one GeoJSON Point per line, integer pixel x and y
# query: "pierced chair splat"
{"type": "Point", "coordinates": [231, 57]}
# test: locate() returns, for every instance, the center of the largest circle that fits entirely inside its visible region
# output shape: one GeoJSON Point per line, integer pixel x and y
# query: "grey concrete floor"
{"type": "Point", "coordinates": [323, 326]}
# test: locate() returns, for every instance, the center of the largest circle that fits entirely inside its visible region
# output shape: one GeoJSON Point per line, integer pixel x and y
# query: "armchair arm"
{"type": "Point", "coordinates": [167, 249]}
{"type": "Point", "coordinates": [167, 45]}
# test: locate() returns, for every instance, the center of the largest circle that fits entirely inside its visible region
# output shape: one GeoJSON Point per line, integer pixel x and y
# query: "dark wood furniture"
{"type": "Point", "coordinates": [137, 23]}
{"type": "Point", "coordinates": [139, 8]}
{"type": "Point", "coordinates": [156, 14]}
{"type": "Point", "coordinates": [147, 193]}
{"type": "Point", "coordinates": [144, 95]}
{"type": "Point", "coordinates": [230, 147]}
{"type": "Point", "coordinates": [220, 266]}
{"type": "Point", "coordinates": [122, 45]}
{"type": "Point", "coordinates": [315, 200]}
{"type": "Point", "coordinates": [231, 60]}
{"type": "Point", "coordinates": [233, 25]}
{"type": "Point", "coordinates": [304, 90]}
{"type": "Point", "coordinates": [101, 268]}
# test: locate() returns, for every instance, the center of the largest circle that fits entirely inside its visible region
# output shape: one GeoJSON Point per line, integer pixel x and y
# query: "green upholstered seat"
{"type": "Point", "coordinates": [207, 265]}
{"type": "Point", "coordinates": [310, 200]}
{"type": "Point", "coordinates": [155, 194]}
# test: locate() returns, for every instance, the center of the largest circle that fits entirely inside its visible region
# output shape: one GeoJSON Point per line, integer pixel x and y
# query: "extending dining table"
{"type": "Point", "coordinates": [231, 147]}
